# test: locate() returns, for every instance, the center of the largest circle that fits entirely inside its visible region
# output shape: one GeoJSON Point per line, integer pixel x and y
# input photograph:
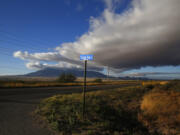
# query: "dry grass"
{"type": "Point", "coordinates": [35, 83]}
{"type": "Point", "coordinates": [161, 112]}
{"type": "Point", "coordinates": [152, 109]}
{"type": "Point", "coordinates": [144, 83]}
{"type": "Point", "coordinates": [109, 112]}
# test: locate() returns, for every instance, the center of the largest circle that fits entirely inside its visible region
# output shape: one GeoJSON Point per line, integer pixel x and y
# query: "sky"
{"type": "Point", "coordinates": [138, 38]}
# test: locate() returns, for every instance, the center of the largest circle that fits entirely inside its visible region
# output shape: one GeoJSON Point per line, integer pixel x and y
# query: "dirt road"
{"type": "Point", "coordinates": [16, 105]}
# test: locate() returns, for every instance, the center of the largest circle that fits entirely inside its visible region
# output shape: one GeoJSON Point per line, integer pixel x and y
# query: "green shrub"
{"type": "Point", "coordinates": [98, 80]}
{"type": "Point", "coordinates": [105, 114]}
{"type": "Point", "coordinates": [170, 86]}
{"type": "Point", "coordinates": [150, 86]}
{"type": "Point", "coordinates": [66, 78]}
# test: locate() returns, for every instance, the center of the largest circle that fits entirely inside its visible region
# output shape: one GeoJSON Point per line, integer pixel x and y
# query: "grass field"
{"type": "Point", "coordinates": [53, 83]}
{"type": "Point", "coordinates": [151, 109]}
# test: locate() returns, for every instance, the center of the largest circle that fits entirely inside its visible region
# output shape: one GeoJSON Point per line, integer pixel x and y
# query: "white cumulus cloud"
{"type": "Point", "coordinates": [147, 34]}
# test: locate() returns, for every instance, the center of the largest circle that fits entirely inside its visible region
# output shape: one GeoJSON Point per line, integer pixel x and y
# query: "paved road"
{"type": "Point", "coordinates": [17, 104]}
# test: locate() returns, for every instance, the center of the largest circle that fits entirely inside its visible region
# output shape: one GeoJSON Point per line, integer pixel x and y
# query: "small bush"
{"type": "Point", "coordinates": [66, 78]}
{"type": "Point", "coordinates": [98, 80]}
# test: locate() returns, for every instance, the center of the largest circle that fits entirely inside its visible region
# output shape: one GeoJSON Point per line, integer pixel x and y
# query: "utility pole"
{"type": "Point", "coordinates": [107, 73]}
{"type": "Point", "coordinates": [84, 88]}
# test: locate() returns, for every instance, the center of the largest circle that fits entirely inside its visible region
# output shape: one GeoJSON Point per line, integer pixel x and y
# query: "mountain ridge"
{"type": "Point", "coordinates": [55, 72]}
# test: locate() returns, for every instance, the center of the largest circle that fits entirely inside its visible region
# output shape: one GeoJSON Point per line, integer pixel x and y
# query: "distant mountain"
{"type": "Point", "coordinates": [133, 78]}
{"type": "Point", "coordinates": [55, 72]}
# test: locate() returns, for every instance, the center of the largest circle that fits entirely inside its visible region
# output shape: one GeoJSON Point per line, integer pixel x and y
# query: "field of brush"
{"type": "Point", "coordinates": [152, 108]}
{"type": "Point", "coordinates": [53, 82]}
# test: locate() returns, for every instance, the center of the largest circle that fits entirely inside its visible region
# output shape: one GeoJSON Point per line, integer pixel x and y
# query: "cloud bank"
{"type": "Point", "coordinates": [146, 74]}
{"type": "Point", "coordinates": [146, 34]}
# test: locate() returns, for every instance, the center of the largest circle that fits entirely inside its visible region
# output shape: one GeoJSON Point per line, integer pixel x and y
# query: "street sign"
{"type": "Point", "coordinates": [86, 57]}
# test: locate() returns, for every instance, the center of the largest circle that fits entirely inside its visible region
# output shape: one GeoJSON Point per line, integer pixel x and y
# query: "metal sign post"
{"type": "Point", "coordinates": [84, 88]}
{"type": "Point", "coordinates": [85, 58]}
